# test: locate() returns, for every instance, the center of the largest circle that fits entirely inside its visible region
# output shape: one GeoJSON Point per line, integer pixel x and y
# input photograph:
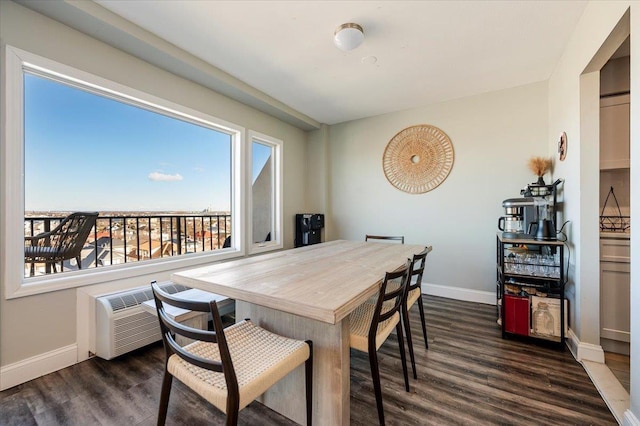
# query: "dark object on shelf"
{"type": "Point", "coordinates": [62, 243]}
{"type": "Point", "coordinates": [540, 189]}
{"type": "Point", "coordinates": [544, 230]}
{"type": "Point", "coordinates": [617, 223]}
{"type": "Point", "coordinates": [308, 229]}
{"type": "Point", "coordinates": [516, 315]}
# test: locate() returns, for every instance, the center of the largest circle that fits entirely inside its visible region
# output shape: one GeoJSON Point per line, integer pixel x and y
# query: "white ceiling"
{"type": "Point", "coordinates": [426, 51]}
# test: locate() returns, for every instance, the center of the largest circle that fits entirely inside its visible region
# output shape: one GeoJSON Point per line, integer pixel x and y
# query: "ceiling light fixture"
{"type": "Point", "coordinates": [348, 36]}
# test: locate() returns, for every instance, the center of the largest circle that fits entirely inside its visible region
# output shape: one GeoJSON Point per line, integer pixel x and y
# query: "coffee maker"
{"type": "Point", "coordinates": [518, 215]}
{"type": "Point", "coordinates": [532, 216]}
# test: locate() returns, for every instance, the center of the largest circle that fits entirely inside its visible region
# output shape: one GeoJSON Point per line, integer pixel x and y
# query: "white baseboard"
{"type": "Point", "coordinates": [630, 419]}
{"type": "Point", "coordinates": [457, 293]}
{"type": "Point", "coordinates": [31, 368]}
{"type": "Point", "coordinates": [584, 351]}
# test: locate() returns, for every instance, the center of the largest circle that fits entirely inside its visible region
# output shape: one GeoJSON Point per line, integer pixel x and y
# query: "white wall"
{"type": "Point", "coordinates": [493, 136]}
{"type": "Point", "coordinates": [574, 108]}
{"type": "Point", "coordinates": [35, 326]}
{"type": "Point", "coordinates": [635, 214]}
{"type": "Point", "coordinates": [573, 92]}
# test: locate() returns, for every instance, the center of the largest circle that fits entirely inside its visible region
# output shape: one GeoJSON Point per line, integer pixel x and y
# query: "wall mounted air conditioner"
{"type": "Point", "coordinates": [121, 323]}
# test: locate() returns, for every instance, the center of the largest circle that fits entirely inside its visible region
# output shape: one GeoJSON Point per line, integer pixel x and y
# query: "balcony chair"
{"type": "Point", "coordinates": [390, 238]}
{"type": "Point", "coordinates": [64, 242]}
{"type": "Point", "coordinates": [370, 325]}
{"type": "Point", "coordinates": [229, 367]}
{"type": "Point", "coordinates": [414, 294]}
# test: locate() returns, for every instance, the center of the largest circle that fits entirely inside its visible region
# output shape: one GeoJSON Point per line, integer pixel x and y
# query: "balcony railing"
{"type": "Point", "coordinates": [121, 239]}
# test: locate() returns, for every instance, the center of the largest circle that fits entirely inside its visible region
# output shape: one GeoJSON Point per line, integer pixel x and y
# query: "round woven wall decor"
{"type": "Point", "coordinates": [418, 159]}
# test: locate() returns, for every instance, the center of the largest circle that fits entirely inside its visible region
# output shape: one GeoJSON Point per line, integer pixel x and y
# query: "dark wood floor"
{"type": "Point", "coordinates": [620, 366]}
{"type": "Point", "coordinates": [469, 376]}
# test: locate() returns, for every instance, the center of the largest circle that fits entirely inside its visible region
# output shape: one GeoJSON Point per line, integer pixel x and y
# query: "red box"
{"type": "Point", "coordinates": [516, 314]}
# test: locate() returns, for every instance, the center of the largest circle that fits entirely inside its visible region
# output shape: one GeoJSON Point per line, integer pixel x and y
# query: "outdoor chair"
{"type": "Point", "coordinates": [64, 242]}
{"type": "Point", "coordinates": [229, 367]}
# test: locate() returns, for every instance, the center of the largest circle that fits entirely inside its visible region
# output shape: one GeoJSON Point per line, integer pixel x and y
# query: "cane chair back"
{"type": "Point", "coordinates": [229, 367]}
{"type": "Point", "coordinates": [413, 295]}
{"type": "Point", "coordinates": [370, 325]}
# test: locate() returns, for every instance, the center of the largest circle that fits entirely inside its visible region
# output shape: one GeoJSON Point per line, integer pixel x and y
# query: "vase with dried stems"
{"type": "Point", "coordinates": [539, 166]}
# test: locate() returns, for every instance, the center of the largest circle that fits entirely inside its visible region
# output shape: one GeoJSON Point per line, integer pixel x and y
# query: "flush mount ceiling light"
{"type": "Point", "coordinates": [348, 36]}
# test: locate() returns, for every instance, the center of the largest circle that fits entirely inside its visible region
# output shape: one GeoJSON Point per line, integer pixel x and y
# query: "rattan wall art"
{"type": "Point", "coordinates": [418, 159]}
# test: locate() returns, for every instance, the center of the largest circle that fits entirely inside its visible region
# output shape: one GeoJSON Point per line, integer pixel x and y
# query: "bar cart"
{"type": "Point", "coordinates": [531, 289]}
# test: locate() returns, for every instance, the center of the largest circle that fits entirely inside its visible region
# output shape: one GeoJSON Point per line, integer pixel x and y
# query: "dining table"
{"type": "Point", "coordinates": [306, 293]}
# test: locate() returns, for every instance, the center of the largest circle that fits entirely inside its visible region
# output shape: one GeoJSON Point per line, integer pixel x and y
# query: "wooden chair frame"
{"type": "Point", "coordinates": [385, 295]}
{"type": "Point", "coordinates": [169, 328]}
{"type": "Point", "coordinates": [416, 270]}
{"type": "Point", "coordinates": [385, 237]}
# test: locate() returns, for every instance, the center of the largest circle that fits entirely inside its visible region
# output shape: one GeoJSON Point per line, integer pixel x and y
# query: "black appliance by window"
{"type": "Point", "coordinates": [308, 229]}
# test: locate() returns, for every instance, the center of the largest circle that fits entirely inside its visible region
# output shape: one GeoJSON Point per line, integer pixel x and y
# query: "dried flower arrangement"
{"type": "Point", "coordinates": [539, 165]}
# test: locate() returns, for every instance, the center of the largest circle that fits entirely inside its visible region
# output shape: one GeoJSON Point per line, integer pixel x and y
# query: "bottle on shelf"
{"type": "Point", "coordinates": [543, 321]}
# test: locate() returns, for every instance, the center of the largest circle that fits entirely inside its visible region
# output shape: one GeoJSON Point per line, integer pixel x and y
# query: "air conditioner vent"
{"type": "Point", "coordinates": [119, 301]}
{"type": "Point", "coordinates": [121, 323]}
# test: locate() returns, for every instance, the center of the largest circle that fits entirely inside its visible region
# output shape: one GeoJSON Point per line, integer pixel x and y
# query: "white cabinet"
{"type": "Point", "coordinates": [615, 273]}
{"type": "Point", "coordinates": [614, 132]}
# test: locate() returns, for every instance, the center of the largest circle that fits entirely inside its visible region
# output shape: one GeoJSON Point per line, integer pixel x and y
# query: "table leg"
{"type": "Point", "coordinates": [330, 366]}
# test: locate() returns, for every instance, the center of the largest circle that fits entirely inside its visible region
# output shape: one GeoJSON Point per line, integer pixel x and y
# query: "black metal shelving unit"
{"type": "Point", "coordinates": [529, 272]}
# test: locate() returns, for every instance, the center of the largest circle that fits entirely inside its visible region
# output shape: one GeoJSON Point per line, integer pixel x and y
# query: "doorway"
{"type": "Point", "coordinates": [614, 207]}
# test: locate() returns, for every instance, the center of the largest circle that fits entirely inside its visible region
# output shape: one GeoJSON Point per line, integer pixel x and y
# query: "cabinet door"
{"type": "Point", "coordinates": [614, 301]}
{"type": "Point", "coordinates": [615, 250]}
{"type": "Point", "coordinates": [614, 132]}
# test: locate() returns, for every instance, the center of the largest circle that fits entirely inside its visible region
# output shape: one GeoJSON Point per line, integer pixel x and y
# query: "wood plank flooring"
{"type": "Point", "coordinates": [469, 375]}
{"type": "Point", "coordinates": [620, 367]}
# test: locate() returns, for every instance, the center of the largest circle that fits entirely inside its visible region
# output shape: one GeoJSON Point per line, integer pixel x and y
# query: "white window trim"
{"type": "Point", "coordinates": [278, 146]}
{"type": "Point", "coordinates": [12, 178]}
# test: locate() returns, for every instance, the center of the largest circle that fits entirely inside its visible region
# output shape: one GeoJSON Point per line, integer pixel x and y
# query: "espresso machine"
{"type": "Point", "coordinates": [532, 216]}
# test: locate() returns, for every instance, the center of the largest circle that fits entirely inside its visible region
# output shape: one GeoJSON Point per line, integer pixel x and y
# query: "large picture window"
{"type": "Point", "coordinates": [161, 183]}
{"type": "Point", "coordinates": [164, 180]}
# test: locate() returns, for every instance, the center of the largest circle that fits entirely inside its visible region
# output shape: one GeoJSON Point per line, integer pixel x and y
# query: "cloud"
{"type": "Point", "coordinates": [199, 169]}
{"type": "Point", "coordinates": [162, 177]}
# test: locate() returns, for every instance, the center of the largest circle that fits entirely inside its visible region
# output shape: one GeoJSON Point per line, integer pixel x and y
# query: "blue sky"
{"type": "Point", "coordinates": [88, 152]}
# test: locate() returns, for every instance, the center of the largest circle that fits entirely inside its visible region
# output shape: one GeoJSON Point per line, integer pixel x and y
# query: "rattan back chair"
{"type": "Point", "coordinates": [413, 295]}
{"type": "Point", "coordinates": [64, 242]}
{"type": "Point", "coordinates": [370, 325]}
{"type": "Point", "coordinates": [229, 367]}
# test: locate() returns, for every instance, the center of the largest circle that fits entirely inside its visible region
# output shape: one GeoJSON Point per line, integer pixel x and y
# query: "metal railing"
{"type": "Point", "coordinates": [125, 238]}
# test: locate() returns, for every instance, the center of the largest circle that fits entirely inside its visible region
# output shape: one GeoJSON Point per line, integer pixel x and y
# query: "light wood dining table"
{"type": "Point", "coordinates": [306, 293]}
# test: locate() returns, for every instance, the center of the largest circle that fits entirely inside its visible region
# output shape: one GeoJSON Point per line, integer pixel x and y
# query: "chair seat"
{"type": "Point", "coordinates": [413, 297]}
{"type": "Point", "coordinates": [260, 359]}
{"type": "Point", "coordinates": [42, 253]}
{"type": "Point", "coordinates": [360, 322]}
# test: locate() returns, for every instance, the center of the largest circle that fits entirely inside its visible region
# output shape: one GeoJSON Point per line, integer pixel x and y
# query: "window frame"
{"type": "Point", "coordinates": [277, 146]}
{"type": "Point", "coordinates": [12, 177]}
